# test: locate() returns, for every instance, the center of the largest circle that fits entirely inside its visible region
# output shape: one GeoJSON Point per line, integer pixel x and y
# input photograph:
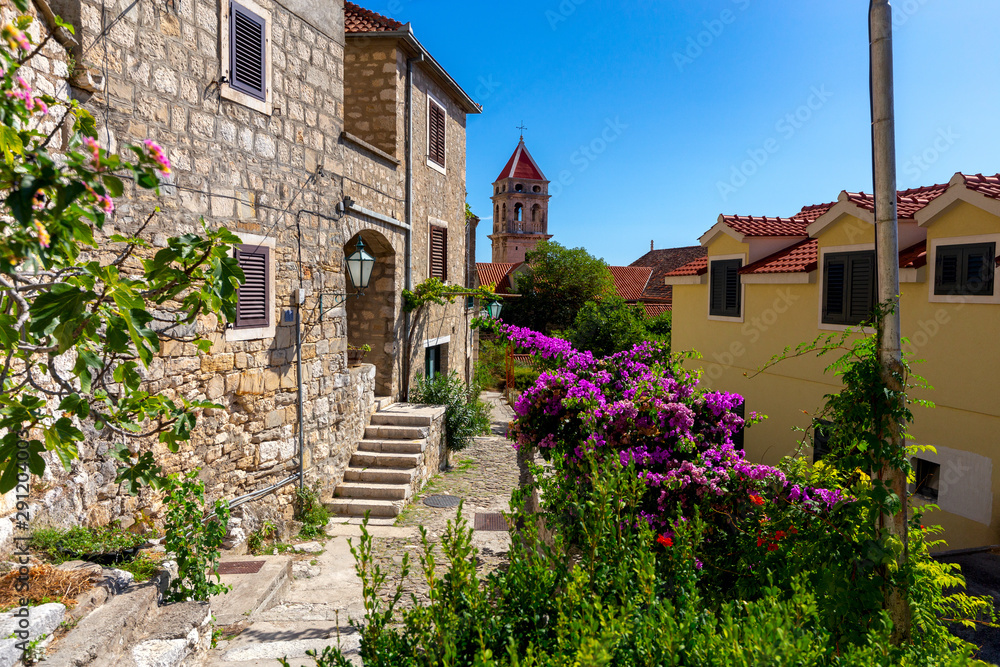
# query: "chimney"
{"type": "Point", "coordinates": [650, 246]}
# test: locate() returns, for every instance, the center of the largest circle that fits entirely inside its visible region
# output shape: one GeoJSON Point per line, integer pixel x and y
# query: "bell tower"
{"type": "Point", "coordinates": [520, 208]}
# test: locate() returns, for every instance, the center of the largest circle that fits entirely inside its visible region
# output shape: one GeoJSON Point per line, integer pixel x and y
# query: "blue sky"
{"type": "Point", "coordinates": [658, 115]}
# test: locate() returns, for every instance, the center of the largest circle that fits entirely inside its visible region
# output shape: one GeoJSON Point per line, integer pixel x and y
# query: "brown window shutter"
{"type": "Point", "coordinates": [252, 297]}
{"type": "Point", "coordinates": [436, 124]}
{"type": "Point", "coordinates": [439, 253]}
{"type": "Point", "coordinates": [247, 52]}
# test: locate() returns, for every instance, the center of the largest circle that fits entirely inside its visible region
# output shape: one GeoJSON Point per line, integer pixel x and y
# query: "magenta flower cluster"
{"type": "Point", "coordinates": [644, 409]}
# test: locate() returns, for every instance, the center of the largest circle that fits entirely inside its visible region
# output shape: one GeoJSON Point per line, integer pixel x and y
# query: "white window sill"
{"type": "Point", "coordinates": [436, 167]}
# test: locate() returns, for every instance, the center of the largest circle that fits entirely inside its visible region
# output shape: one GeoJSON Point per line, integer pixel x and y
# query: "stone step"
{"type": "Point", "coordinates": [355, 507]}
{"type": "Point", "coordinates": [369, 491]}
{"type": "Point", "coordinates": [396, 432]}
{"type": "Point", "coordinates": [391, 418]}
{"type": "Point", "coordinates": [379, 475]}
{"type": "Point", "coordinates": [252, 593]}
{"type": "Point", "coordinates": [383, 402]}
{"type": "Point", "coordinates": [385, 460]}
{"type": "Point", "coordinates": [393, 446]}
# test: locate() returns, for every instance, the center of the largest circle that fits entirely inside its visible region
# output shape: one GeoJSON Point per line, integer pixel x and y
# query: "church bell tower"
{"type": "Point", "coordinates": [520, 208]}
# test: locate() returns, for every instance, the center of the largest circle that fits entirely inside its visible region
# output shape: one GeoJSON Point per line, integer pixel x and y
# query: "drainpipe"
{"type": "Point", "coordinates": [407, 352]}
{"type": "Point", "coordinates": [298, 371]}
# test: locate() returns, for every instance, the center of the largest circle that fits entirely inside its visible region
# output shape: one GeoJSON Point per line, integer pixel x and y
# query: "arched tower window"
{"type": "Point", "coordinates": [536, 213]}
{"type": "Point", "coordinates": [504, 213]}
{"type": "Point", "coordinates": [518, 212]}
{"type": "Point", "coordinates": [496, 213]}
{"type": "Point", "coordinates": [519, 188]}
{"type": "Point", "coordinates": [537, 188]}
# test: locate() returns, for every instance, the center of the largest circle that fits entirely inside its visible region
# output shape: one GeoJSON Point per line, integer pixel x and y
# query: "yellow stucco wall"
{"type": "Point", "coordinates": [955, 340]}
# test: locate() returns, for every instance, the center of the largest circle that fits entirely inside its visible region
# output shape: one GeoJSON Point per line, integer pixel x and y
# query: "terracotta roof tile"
{"type": "Point", "coordinates": [656, 309]}
{"type": "Point", "coordinates": [763, 226]}
{"type": "Point", "coordinates": [631, 281]}
{"type": "Point", "coordinates": [698, 267]}
{"type": "Point", "coordinates": [804, 257]}
{"type": "Point", "coordinates": [663, 262]}
{"type": "Point", "coordinates": [522, 165]}
{"type": "Point", "coordinates": [359, 19]}
{"type": "Point", "coordinates": [496, 276]}
{"type": "Point", "coordinates": [987, 185]}
{"type": "Point", "coordinates": [799, 258]}
{"type": "Point", "coordinates": [810, 213]}
{"type": "Point", "coordinates": [908, 201]}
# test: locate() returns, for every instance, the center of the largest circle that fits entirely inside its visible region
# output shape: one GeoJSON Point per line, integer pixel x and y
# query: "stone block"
{"type": "Point", "coordinates": [251, 383]}
{"type": "Point", "coordinates": [218, 363]}
{"type": "Point", "coordinates": [275, 418]}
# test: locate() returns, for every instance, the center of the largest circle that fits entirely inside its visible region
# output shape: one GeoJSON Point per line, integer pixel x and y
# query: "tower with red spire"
{"type": "Point", "coordinates": [520, 208]}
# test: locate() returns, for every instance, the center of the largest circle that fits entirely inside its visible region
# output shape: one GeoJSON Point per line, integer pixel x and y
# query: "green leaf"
{"type": "Point", "coordinates": [10, 463]}
{"type": "Point", "coordinates": [85, 123]}
{"type": "Point", "coordinates": [143, 471]}
{"type": "Point", "coordinates": [114, 185]}
{"type": "Point", "coordinates": [59, 304]}
{"type": "Point", "coordinates": [10, 143]}
{"type": "Point", "coordinates": [61, 438]}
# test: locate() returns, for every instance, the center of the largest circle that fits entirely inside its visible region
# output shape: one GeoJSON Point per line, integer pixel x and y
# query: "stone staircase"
{"type": "Point", "coordinates": [390, 464]}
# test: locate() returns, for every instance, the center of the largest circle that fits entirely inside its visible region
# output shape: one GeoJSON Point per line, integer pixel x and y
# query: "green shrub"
{"type": "Point", "coordinates": [311, 512]}
{"type": "Point", "coordinates": [524, 377]}
{"type": "Point", "coordinates": [491, 370]}
{"type": "Point", "coordinates": [78, 541]}
{"type": "Point", "coordinates": [466, 415]}
{"type": "Point", "coordinates": [257, 540]}
{"type": "Point", "coordinates": [193, 537]}
{"type": "Point", "coordinates": [142, 567]}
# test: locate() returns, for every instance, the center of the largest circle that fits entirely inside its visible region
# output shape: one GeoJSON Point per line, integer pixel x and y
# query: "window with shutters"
{"type": "Point", "coordinates": [438, 253]}
{"type": "Point", "coordinates": [725, 291]}
{"type": "Point", "coordinates": [966, 269]}
{"type": "Point", "coordinates": [246, 54]}
{"type": "Point", "coordinates": [436, 135]}
{"type": "Point", "coordinates": [848, 287]}
{"type": "Point", "coordinates": [254, 298]}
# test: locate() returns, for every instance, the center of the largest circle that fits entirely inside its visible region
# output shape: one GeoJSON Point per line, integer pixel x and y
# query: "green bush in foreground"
{"type": "Point", "coordinates": [466, 416]}
{"type": "Point", "coordinates": [619, 596]}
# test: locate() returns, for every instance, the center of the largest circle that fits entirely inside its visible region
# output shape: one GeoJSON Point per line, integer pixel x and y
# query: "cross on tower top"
{"type": "Point", "coordinates": [521, 127]}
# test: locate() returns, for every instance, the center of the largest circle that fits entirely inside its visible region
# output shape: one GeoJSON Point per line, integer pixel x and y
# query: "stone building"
{"type": "Point", "coordinates": [318, 125]}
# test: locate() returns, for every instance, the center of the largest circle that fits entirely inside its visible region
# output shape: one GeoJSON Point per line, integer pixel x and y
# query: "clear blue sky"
{"type": "Point", "coordinates": [685, 92]}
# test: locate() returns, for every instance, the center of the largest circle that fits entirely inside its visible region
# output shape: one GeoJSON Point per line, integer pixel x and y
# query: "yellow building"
{"type": "Point", "coordinates": [768, 283]}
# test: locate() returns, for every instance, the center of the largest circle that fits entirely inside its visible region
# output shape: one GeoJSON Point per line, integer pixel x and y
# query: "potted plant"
{"type": "Point", "coordinates": [356, 355]}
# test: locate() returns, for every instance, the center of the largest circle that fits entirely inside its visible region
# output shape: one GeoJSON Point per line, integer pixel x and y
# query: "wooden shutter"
{"type": "Point", "coordinates": [247, 52]}
{"type": "Point", "coordinates": [848, 287]}
{"type": "Point", "coordinates": [725, 293]}
{"type": "Point", "coordinates": [252, 300]}
{"type": "Point", "coordinates": [966, 269]}
{"type": "Point", "coordinates": [439, 253]}
{"type": "Point", "coordinates": [436, 135]}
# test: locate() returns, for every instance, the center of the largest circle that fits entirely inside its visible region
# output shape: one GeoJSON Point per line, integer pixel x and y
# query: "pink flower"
{"type": "Point", "coordinates": [43, 234]}
{"type": "Point", "coordinates": [95, 152]}
{"type": "Point", "coordinates": [156, 152]}
{"type": "Point", "coordinates": [15, 38]}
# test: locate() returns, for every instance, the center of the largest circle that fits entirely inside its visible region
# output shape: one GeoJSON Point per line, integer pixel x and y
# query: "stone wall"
{"type": "Point", "coordinates": [373, 101]}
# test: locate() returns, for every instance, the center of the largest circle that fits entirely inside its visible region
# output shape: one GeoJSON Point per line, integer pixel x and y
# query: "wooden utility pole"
{"type": "Point", "coordinates": [887, 260]}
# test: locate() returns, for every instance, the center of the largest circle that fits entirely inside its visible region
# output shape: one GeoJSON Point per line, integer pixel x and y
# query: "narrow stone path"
{"type": "Point", "coordinates": [326, 592]}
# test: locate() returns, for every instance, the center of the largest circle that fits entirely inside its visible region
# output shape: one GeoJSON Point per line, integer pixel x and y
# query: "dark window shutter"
{"type": "Point", "coordinates": [740, 436]}
{"type": "Point", "coordinates": [247, 52]}
{"type": "Point", "coordinates": [252, 297]}
{"type": "Point", "coordinates": [848, 287]}
{"type": "Point", "coordinates": [439, 253]}
{"type": "Point", "coordinates": [965, 269]}
{"type": "Point", "coordinates": [436, 143]}
{"type": "Point", "coordinates": [724, 290]}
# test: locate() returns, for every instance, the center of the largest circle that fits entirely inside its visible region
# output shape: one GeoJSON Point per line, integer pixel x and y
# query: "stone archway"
{"type": "Point", "coordinates": [371, 317]}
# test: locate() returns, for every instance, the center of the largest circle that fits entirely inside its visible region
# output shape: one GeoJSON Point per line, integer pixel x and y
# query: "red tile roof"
{"type": "Point", "coordinates": [663, 262]}
{"type": "Point", "coordinates": [656, 309]}
{"type": "Point", "coordinates": [631, 281]}
{"type": "Point", "coordinates": [763, 226]}
{"type": "Point", "coordinates": [522, 165]}
{"type": "Point", "coordinates": [799, 258]}
{"type": "Point", "coordinates": [810, 213]}
{"type": "Point", "coordinates": [359, 19]}
{"type": "Point", "coordinates": [496, 276]}
{"type": "Point", "coordinates": [913, 257]}
{"type": "Point", "coordinates": [987, 185]}
{"type": "Point", "coordinates": [908, 201]}
{"type": "Point", "coordinates": [804, 257]}
{"type": "Point", "coordinates": [698, 267]}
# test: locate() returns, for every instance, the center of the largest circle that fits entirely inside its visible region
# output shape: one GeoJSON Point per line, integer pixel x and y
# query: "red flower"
{"type": "Point", "coordinates": [756, 500]}
{"type": "Point", "coordinates": [760, 541]}
{"type": "Point", "coordinates": [779, 535]}
{"type": "Point", "coordinates": [772, 547]}
{"type": "Point", "coordinates": [665, 541]}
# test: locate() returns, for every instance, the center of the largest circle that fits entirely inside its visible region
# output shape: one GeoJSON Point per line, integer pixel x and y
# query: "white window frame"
{"type": "Point", "coordinates": [960, 298]}
{"type": "Point", "coordinates": [234, 335]}
{"type": "Point", "coordinates": [431, 163]}
{"type": "Point", "coordinates": [743, 290]}
{"type": "Point", "coordinates": [226, 91]}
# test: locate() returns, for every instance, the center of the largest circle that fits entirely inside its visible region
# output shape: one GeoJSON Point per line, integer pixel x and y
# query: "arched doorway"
{"type": "Point", "coordinates": [371, 317]}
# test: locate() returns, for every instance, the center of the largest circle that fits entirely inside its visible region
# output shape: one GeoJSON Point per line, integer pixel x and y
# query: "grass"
{"type": "Point", "coordinates": [61, 545]}
{"type": "Point", "coordinates": [142, 567]}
